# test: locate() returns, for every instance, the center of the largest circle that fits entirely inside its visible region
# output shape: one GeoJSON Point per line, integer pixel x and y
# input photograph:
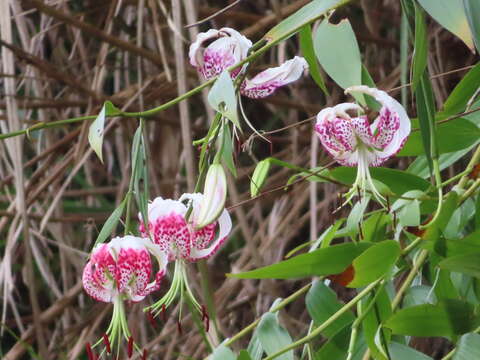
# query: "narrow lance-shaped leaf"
{"type": "Point", "coordinates": [472, 10]}
{"type": "Point", "coordinates": [419, 62]}
{"type": "Point", "coordinates": [273, 337]}
{"type": "Point", "coordinates": [306, 45]}
{"type": "Point", "coordinates": [222, 97]}
{"type": "Point", "coordinates": [259, 176]}
{"type": "Point", "coordinates": [305, 15]}
{"type": "Point", "coordinates": [337, 51]}
{"type": "Point", "coordinates": [97, 128]}
{"type": "Point", "coordinates": [111, 223]}
{"type": "Point", "coordinates": [451, 15]}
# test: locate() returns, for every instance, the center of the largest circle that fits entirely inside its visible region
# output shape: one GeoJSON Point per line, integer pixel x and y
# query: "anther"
{"type": "Point", "coordinates": [130, 347]}
{"type": "Point", "coordinates": [106, 341]}
{"type": "Point", "coordinates": [164, 313]}
{"type": "Point", "coordinates": [151, 319]}
{"type": "Point", "coordinates": [179, 327]}
{"type": "Point", "coordinates": [90, 354]}
{"type": "Point", "coordinates": [360, 231]}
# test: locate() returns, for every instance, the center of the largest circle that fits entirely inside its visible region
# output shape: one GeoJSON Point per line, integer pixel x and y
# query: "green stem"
{"type": "Point", "coordinates": [438, 182]}
{"type": "Point", "coordinates": [328, 322]}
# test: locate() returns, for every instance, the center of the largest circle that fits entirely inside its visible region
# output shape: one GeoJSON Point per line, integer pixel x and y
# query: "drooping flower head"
{"type": "Point", "coordinates": [178, 236]}
{"type": "Point", "coordinates": [354, 141]}
{"type": "Point", "coordinates": [123, 268]}
{"type": "Point", "coordinates": [216, 50]}
{"type": "Point", "coordinates": [117, 271]}
{"type": "Point", "coordinates": [173, 226]}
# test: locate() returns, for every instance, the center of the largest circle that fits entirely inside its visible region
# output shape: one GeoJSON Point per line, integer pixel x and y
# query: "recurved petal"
{"type": "Point", "coordinates": [266, 82]}
{"type": "Point", "coordinates": [392, 125]}
{"type": "Point", "coordinates": [224, 228]}
{"type": "Point", "coordinates": [162, 207]}
{"type": "Point", "coordinates": [195, 52]}
{"type": "Point", "coordinates": [94, 288]}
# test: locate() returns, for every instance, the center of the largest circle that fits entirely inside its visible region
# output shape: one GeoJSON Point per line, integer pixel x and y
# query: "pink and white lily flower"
{"type": "Point", "coordinates": [353, 141]}
{"type": "Point", "coordinates": [216, 50]}
{"type": "Point", "coordinates": [121, 270]}
{"type": "Point", "coordinates": [173, 226]}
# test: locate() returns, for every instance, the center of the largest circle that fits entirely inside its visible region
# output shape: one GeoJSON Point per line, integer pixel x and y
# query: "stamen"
{"type": "Point", "coordinates": [106, 341]}
{"type": "Point", "coordinates": [179, 327]}
{"type": "Point", "coordinates": [130, 347]}
{"type": "Point", "coordinates": [151, 319]}
{"type": "Point", "coordinates": [90, 354]}
{"type": "Point", "coordinates": [207, 323]}
{"type": "Point", "coordinates": [360, 231]}
{"type": "Point", "coordinates": [204, 313]}
{"type": "Point", "coordinates": [164, 313]}
{"type": "Point", "coordinates": [144, 355]}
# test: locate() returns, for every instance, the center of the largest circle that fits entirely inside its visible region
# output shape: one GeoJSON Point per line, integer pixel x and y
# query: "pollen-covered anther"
{"type": "Point", "coordinates": [130, 347]}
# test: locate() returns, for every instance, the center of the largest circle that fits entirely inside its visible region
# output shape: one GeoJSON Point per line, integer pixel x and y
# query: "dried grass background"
{"type": "Point", "coordinates": [63, 59]}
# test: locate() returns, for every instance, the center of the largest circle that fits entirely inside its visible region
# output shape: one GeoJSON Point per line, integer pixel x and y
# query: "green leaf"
{"type": "Point", "coordinates": [398, 181]}
{"type": "Point", "coordinates": [96, 130]}
{"type": "Point", "coordinates": [244, 355]}
{"type": "Point", "coordinates": [356, 215]}
{"type": "Point", "coordinates": [336, 347]}
{"type": "Point", "coordinates": [374, 228]}
{"type": "Point", "coordinates": [472, 11]}
{"type": "Point", "coordinates": [374, 262]}
{"type": "Point", "coordinates": [452, 136]}
{"type": "Point", "coordinates": [227, 149]}
{"type": "Point", "coordinates": [111, 223]}
{"type": "Point", "coordinates": [322, 303]}
{"type": "Point", "coordinates": [461, 94]}
{"type": "Point", "coordinates": [447, 318]}
{"type": "Point", "coordinates": [140, 172]}
{"type": "Point", "coordinates": [466, 264]}
{"type": "Point", "coordinates": [273, 337]}
{"type": "Point", "coordinates": [419, 62]}
{"type": "Point", "coordinates": [222, 353]}
{"type": "Point", "coordinates": [306, 15]}
{"type": "Point", "coordinates": [451, 15]}
{"type": "Point", "coordinates": [468, 347]}
{"type": "Point", "coordinates": [337, 51]}
{"type": "Point", "coordinates": [403, 352]}
{"type": "Point", "coordinates": [326, 261]}
{"type": "Point", "coordinates": [223, 99]}
{"type": "Point", "coordinates": [306, 45]}
{"type": "Point", "coordinates": [259, 176]}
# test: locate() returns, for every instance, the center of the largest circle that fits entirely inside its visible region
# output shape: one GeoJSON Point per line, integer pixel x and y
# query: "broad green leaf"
{"type": "Point", "coordinates": [327, 261]}
{"type": "Point", "coordinates": [468, 264]}
{"type": "Point", "coordinates": [451, 15]}
{"type": "Point", "coordinates": [447, 318]}
{"type": "Point", "coordinates": [244, 355]}
{"type": "Point", "coordinates": [419, 295]}
{"type": "Point", "coordinates": [465, 89]}
{"type": "Point", "coordinates": [259, 176]}
{"type": "Point", "coordinates": [306, 15]}
{"type": "Point", "coordinates": [472, 11]}
{"type": "Point", "coordinates": [377, 315]}
{"type": "Point", "coordinates": [468, 347]}
{"type": "Point", "coordinates": [356, 215]}
{"type": "Point", "coordinates": [111, 223]}
{"type": "Point", "coordinates": [448, 207]}
{"type": "Point", "coordinates": [426, 116]}
{"type": "Point", "coordinates": [374, 262]}
{"type": "Point", "coordinates": [374, 228]}
{"type": "Point", "coordinates": [419, 61]}
{"type": "Point", "coordinates": [322, 303]}
{"type": "Point", "coordinates": [306, 45]}
{"type": "Point", "coordinates": [337, 51]}
{"type": "Point", "coordinates": [398, 181]}
{"type": "Point", "coordinates": [336, 347]}
{"type": "Point", "coordinates": [462, 215]}
{"type": "Point", "coordinates": [222, 353]}
{"type": "Point", "coordinates": [403, 352]}
{"type": "Point", "coordinates": [223, 99]}
{"type": "Point", "coordinates": [96, 130]}
{"type": "Point", "coordinates": [273, 337]}
{"type": "Point", "coordinates": [452, 136]}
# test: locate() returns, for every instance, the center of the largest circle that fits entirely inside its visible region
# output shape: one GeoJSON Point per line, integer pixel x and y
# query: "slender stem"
{"type": "Point", "coordinates": [280, 305]}
{"type": "Point", "coordinates": [328, 322]}
{"type": "Point", "coordinates": [411, 275]}
{"type": "Point", "coordinates": [438, 182]}
{"type": "Point", "coordinates": [473, 161]}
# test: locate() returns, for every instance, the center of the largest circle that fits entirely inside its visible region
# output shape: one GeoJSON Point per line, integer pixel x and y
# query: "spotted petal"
{"type": "Point", "coordinates": [265, 83]}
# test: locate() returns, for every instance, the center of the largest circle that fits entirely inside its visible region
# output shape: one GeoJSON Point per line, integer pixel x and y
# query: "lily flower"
{"type": "Point", "coordinates": [173, 226]}
{"type": "Point", "coordinates": [121, 270]}
{"type": "Point", "coordinates": [353, 141]}
{"type": "Point", "coordinates": [216, 50]}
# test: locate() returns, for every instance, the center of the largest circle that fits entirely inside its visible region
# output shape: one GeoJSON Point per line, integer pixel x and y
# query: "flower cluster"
{"type": "Point", "coordinates": [216, 50]}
